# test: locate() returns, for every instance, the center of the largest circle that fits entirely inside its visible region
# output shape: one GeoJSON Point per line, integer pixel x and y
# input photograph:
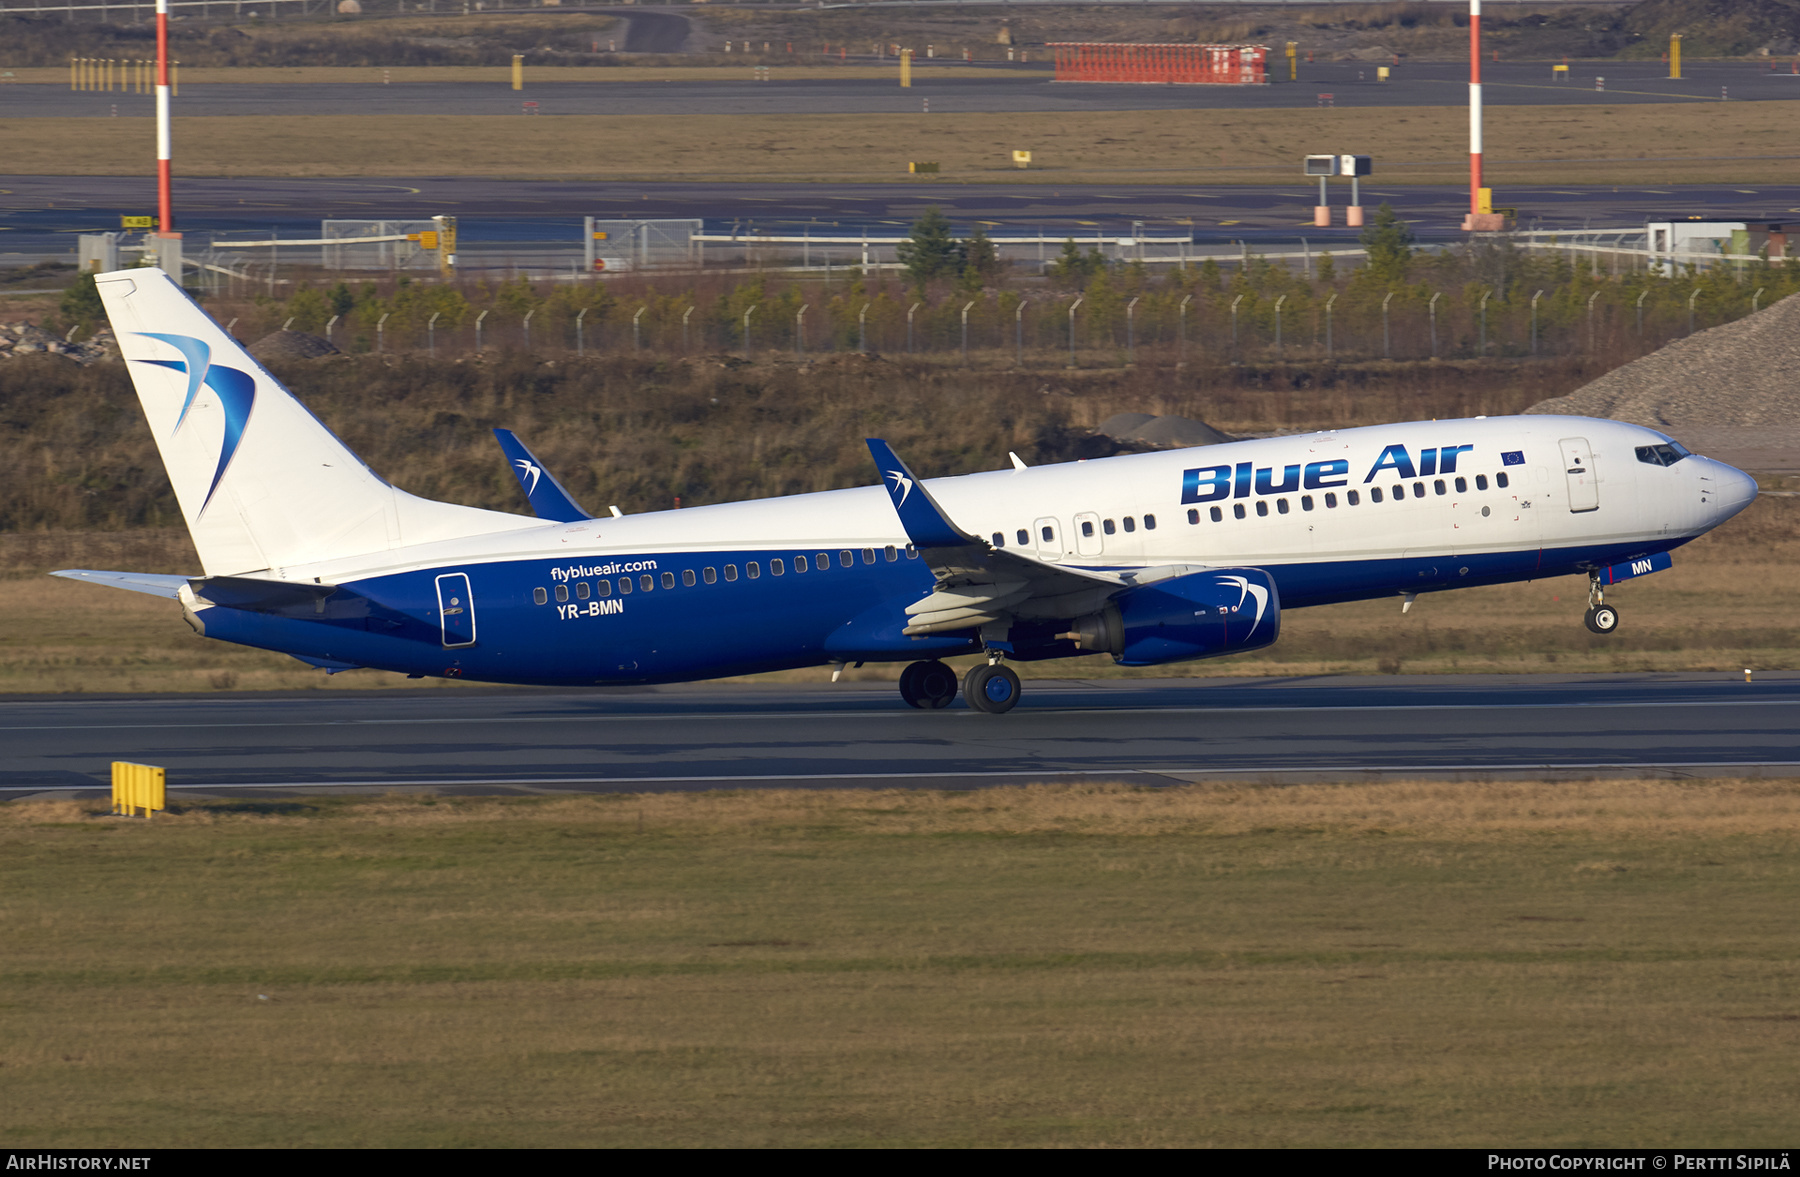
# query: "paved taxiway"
{"type": "Point", "coordinates": [815, 91]}
{"type": "Point", "coordinates": [1151, 731]}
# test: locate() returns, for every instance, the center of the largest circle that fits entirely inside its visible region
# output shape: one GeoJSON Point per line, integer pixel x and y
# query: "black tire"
{"type": "Point", "coordinates": [1602, 619]}
{"type": "Point", "coordinates": [928, 686]}
{"type": "Point", "coordinates": [993, 689]}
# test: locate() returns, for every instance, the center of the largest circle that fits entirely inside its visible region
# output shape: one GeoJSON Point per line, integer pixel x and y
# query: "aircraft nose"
{"type": "Point", "coordinates": [1733, 489]}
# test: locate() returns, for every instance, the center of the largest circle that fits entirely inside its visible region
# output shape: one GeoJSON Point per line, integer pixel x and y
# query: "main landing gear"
{"type": "Point", "coordinates": [1601, 618]}
{"type": "Point", "coordinates": [928, 685]}
{"type": "Point", "coordinates": [990, 687]}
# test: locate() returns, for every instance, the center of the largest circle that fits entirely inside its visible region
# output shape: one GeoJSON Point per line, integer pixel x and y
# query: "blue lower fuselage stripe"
{"type": "Point", "coordinates": [744, 626]}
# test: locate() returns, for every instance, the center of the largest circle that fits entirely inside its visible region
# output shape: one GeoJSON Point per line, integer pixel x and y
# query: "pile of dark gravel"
{"type": "Point", "coordinates": [292, 345]}
{"type": "Point", "coordinates": [1742, 375]}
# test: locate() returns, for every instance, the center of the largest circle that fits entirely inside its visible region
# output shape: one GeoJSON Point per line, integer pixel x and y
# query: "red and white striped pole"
{"type": "Point", "coordinates": [1474, 107]}
{"type": "Point", "coordinates": [164, 212]}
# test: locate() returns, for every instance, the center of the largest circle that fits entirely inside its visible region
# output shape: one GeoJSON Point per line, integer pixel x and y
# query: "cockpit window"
{"type": "Point", "coordinates": [1662, 455]}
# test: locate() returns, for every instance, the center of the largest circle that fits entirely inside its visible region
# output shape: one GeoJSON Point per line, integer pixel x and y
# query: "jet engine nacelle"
{"type": "Point", "coordinates": [1201, 615]}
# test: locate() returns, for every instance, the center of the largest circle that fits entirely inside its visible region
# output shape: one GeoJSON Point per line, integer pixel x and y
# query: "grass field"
{"type": "Point", "coordinates": [500, 76]}
{"type": "Point", "coordinates": [1751, 142]}
{"type": "Point", "coordinates": [1729, 602]}
{"type": "Point", "coordinates": [1399, 964]}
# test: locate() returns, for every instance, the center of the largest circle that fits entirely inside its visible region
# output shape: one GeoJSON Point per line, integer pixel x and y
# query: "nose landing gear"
{"type": "Point", "coordinates": [1601, 618]}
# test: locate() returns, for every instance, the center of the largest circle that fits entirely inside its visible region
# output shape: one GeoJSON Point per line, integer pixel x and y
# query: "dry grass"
{"type": "Point", "coordinates": [1405, 964]}
{"type": "Point", "coordinates": [500, 76]}
{"type": "Point", "coordinates": [1422, 145]}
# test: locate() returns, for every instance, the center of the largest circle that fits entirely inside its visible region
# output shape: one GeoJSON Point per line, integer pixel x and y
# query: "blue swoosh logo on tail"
{"type": "Point", "coordinates": [235, 389]}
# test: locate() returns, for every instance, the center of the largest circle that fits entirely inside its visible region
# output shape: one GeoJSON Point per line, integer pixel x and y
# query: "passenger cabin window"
{"type": "Point", "coordinates": [1400, 492]}
{"type": "Point", "coordinates": [1306, 503]}
{"type": "Point", "coordinates": [800, 564]}
{"type": "Point", "coordinates": [1237, 510]}
{"type": "Point", "coordinates": [1262, 506]}
{"type": "Point", "coordinates": [603, 588]}
{"type": "Point", "coordinates": [1462, 486]}
{"type": "Point", "coordinates": [1130, 524]}
{"type": "Point", "coordinates": [624, 585]}
{"type": "Point", "coordinates": [1419, 490]}
{"type": "Point", "coordinates": [730, 572]}
{"type": "Point", "coordinates": [1024, 538]}
{"type": "Point", "coordinates": [562, 592]}
{"type": "Point", "coordinates": [1049, 535]}
{"type": "Point", "coordinates": [1106, 526]}
{"type": "Point", "coordinates": [868, 555]}
{"type": "Point", "coordinates": [912, 553]}
{"type": "Point", "coordinates": [846, 558]}
{"type": "Point", "coordinates": [1149, 523]}
{"type": "Point", "coordinates": [540, 596]}
{"type": "Point", "coordinates": [753, 570]}
{"type": "Point", "coordinates": [1217, 515]}
{"type": "Point", "coordinates": [710, 576]}
{"type": "Point", "coordinates": [668, 579]}
{"type": "Point", "coordinates": [1438, 486]}
{"type": "Point", "coordinates": [1330, 501]}
{"type": "Point", "coordinates": [1500, 480]}
{"type": "Point", "coordinates": [1374, 495]}
{"type": "Point", "coordinates": [776, 567]}
{"type": "Point", "coordinates": [892, 553]}
{"type": "Point", "coordinates": [1087, 529]}
{"type": "Point", "coordinates": [646, 582]}
{"type": "Point", "coordinates": [1353, 498]}
{"type": "Point", "coordinates": [581, 591]}
{"type": "Point", "coordinates": [1194, 514]}
{"type": "Point", "coordinates": [1662, 455]}
{"type": "Point", "coordinates": [687, 577]}
{"type": "Point", "coordinates": [822, 561]}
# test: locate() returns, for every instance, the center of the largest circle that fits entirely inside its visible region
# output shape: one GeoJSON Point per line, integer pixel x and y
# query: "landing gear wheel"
{"type": "Point", "coordinates": [1602, 619]}
{"type": "Point", "coordinates": [928, 686]}
{"type": "Point", "coordinates": [991, 688]}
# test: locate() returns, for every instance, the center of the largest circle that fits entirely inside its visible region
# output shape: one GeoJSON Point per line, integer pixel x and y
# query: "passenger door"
{"type": "Point", "coordinates": [456, 610]}
{"type": "Point", "coordinates": [1578, 467]}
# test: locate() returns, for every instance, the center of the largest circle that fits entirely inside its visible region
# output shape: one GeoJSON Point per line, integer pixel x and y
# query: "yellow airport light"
{"type": "Point", "coordinates": [905, 69]}
{"type": "Point", "coordinates": [1675, 56]}
{"type": "Point", "coordinates": [917, 168]}
{"type": "Point", "coordinates": [1293, 56]}
{"type": "Point", "coordinates": [518, 71]}
{"type": "Point", "coordinates": [1021, 159]}
{"type": "Point", "coordinates": [138, 786]}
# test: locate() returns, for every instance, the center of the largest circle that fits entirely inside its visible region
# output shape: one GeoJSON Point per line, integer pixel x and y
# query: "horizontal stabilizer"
{"type": "Point", "coordinates": [549, 499]}
{"type": "Point", "coordinates": [157, 584]}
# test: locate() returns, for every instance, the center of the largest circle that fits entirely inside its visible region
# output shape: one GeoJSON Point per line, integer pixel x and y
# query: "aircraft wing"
{"type": "Point", "coordinates": [548, 498]}
{"type": "Point", "coordinates": [978, 583]}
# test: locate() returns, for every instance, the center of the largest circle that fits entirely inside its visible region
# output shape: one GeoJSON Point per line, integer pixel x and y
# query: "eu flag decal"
{"type": "Point", "coordinates": [1513, 458]}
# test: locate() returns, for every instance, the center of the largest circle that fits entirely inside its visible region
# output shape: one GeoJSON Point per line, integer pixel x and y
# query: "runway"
{"type": "Point", "coordinates": [710, 736]}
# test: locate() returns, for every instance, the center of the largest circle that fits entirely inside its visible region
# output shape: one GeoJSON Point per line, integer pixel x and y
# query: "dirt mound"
{"type": "Point", "coordinates": [293, 345]}
{"type": "Point", "coordinates": [1161, 432]}
{"type": "Point", "coordinates": [1744, 374]}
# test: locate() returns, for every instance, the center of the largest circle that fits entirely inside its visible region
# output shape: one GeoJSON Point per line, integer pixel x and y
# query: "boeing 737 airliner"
{"type": "Point", "coordinates": [1149, 558]}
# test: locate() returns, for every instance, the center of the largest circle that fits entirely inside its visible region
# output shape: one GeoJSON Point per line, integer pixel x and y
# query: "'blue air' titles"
{"type": "Point", "coordinates": [1209, 484]}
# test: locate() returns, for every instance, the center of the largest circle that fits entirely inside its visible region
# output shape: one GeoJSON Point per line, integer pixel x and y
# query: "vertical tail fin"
{"type": "Point", "coordinates": [262, 483]}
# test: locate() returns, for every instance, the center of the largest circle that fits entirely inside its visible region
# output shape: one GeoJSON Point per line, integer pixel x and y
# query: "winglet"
{"type": "Point", "coordinates": [925, 522]}
{"type": "Point", "coordinates": [548, 498]}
